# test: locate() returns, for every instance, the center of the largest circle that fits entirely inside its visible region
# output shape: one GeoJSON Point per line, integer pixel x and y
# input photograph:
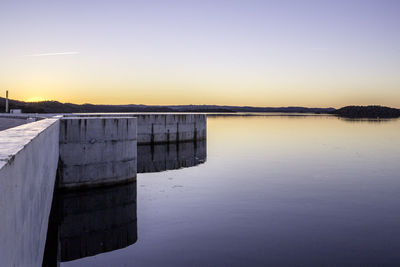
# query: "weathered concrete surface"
{"type": "Point", "coordinates": [162, 157]}
{"type": "Point", "coordinates": [28, 164]}
{"type": "Point", "coordinates": [97, 151]}
{"type": "Point", "coordinates": [158, 128]}
{"type": "Point", "coordinates": [171, 128]}
{"type": "Point", "coordinates": [97, 220]}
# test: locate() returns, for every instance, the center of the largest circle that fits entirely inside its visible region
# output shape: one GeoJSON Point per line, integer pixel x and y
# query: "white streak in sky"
{"type": "Point", "coordinates": [53, 54]}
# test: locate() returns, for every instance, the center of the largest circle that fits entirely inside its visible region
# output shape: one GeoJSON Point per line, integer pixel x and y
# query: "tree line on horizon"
{"type": "Point", "coordinates": [58, 107]}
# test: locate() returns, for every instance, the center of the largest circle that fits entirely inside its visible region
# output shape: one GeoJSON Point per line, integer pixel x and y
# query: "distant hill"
{"type": "Point", "coordinates": [367, 112]}
{"type": "Point", "coordinates": [57, 107]}
{"type": "Point", "coordinates": [207, 108]}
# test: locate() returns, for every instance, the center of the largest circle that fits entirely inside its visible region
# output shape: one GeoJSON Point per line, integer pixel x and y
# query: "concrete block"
{"type": "Point", "coordinates": [97, 150]}
{"type": "Point", "coordinates": [29, 156]}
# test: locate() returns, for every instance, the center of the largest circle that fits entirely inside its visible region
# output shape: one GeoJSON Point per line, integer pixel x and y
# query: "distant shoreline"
{"type": "Point", "coordinates": [58, 107]}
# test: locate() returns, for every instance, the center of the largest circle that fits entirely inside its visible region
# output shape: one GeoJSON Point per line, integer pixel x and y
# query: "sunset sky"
{"type": "Point", "coordinates": [261, 53]}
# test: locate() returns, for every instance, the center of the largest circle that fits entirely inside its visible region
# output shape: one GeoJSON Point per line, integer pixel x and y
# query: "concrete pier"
{"type": "Point", "coordinates": [97, 151]}
{"type": "Point", "coordinates": [83, 152]}
{"type": "Point", "coordinates": [28, 164]}
{"type": "Point", "coordinates": [161, 128]}
{"type": "Point", "coordinates": [171, 128]}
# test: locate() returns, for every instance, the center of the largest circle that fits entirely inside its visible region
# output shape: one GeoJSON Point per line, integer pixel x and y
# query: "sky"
{"type": "Point", "coordinates": [315, 53]}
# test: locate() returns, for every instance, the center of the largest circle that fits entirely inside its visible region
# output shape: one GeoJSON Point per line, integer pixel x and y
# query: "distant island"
{"type": "Point", "coordinates": [367, 112]}
{"type": "Point", "coordinates": [58, 107]}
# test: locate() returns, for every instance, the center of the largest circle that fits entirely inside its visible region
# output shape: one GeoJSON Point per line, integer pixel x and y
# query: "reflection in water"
{"type": "Point", "coordinates": [97, 220]}
{"type": "Point", "coordinates": [89, 222]}
{"type": "Point", "coordinates": [92, 221]}
{"type": "Point", "coordinates": [276, 191]}
{"type": "Point", "coordinates": [162, 157]}
{"type": "Point", "coordinates": [368, 120]}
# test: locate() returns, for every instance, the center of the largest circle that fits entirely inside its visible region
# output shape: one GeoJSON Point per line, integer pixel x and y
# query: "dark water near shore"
{"type": "Point", "coordinates": [265, 190]}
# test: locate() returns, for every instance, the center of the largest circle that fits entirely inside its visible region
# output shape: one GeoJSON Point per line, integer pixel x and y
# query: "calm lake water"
{"type": "Point", "coordinates": [262, 190]}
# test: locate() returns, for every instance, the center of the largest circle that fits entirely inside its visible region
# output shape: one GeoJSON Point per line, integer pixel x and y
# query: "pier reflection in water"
{"type": "Point", "coordinates": [96, 220]}
{"type": "Point", "coordinates": [92, 221]}
{"type": "Point", "coordinates": [162, 157]}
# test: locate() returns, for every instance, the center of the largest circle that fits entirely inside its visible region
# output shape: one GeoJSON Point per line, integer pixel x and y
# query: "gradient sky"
{"type": "Point", "coordinates": [261, 53]}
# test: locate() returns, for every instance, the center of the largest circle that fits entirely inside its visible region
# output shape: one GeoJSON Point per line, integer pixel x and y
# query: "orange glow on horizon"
{"type": "Point", "coordinates": [35, 99]}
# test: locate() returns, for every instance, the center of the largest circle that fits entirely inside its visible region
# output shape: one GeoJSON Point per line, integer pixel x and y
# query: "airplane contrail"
{"type": "Point", "coordinates": [53, 54]}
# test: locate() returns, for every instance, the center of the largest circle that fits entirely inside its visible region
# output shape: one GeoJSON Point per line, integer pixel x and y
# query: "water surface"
{"type": "Point", "coordinates": [273, 190]}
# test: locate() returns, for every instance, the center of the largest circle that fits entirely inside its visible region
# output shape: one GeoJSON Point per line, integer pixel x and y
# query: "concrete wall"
{"type": "Point", "coordinates": [162, 157]}
{"type": "Point", "coordinates": [164, 127]}
{"type": "Point", "coordinates": [169, 128]}
{"type": "Point", "coordinates": [97, 151]}
{"type": "Point", "coordinates": [28, 164]}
